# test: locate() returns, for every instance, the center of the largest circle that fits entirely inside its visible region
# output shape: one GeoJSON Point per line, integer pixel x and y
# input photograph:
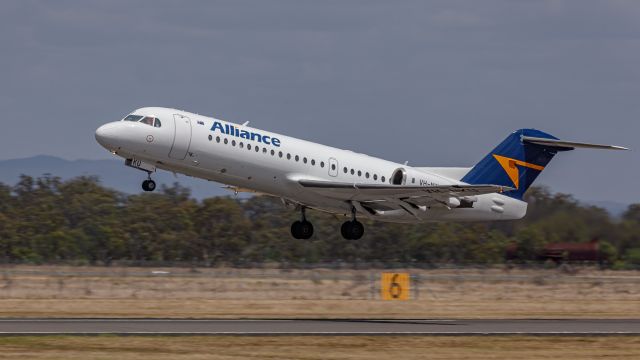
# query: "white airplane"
{"type": "Point", "coordinates": [309, 175]}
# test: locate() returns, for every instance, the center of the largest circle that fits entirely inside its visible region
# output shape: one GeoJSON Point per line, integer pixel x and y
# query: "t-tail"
{"type": "Point", "coordinates": [520, 158]}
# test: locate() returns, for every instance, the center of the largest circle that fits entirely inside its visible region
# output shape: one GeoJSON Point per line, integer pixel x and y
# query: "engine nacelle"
{"type": "Point", "coordinates": [453, 202]}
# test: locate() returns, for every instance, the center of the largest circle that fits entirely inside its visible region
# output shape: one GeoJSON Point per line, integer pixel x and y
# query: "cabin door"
{"type": "Point", "coordinates": [181, 137]}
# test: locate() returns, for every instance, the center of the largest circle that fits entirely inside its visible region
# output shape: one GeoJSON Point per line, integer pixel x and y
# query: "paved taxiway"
{"type": "Point", "coordinates": [319, 327]}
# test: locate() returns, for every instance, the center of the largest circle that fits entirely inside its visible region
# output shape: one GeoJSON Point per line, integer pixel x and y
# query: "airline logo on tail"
{"type": "Point", "coordinates": [510, 166]}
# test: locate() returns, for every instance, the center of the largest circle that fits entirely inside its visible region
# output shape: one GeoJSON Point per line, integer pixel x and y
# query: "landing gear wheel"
{"type": "Point", "coordinates": [306, 230]}
{"type": "Point", "coordinates": [148, 185]}
{"type": "Point", "coordinates": [302, 229]}
{"type": "Point", "coordinates": [357, 230]}
{"type": "Point", "coordinates": [345, 230]}
{"type": "Point", "coordinates": [352, 230]}
{"type": "Point", "coordinates": [295, 229]}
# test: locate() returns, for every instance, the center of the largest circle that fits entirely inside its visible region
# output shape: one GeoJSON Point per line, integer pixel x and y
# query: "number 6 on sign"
{"type": "Point", "coordinates": [395, 286]}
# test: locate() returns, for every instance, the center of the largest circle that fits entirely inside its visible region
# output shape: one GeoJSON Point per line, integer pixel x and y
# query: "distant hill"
{"type": "Point", "coordinates": [112, 174]}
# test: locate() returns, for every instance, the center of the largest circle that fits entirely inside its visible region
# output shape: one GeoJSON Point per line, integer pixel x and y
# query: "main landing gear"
{"type": "Point", "coordinates": [149, 185]}
{"type": "Point", "coordinates": [353, 229]}
{"type": "Point", "coordinates": [350, 230]}
{"type": "Point", "coordinates": [302, 229]}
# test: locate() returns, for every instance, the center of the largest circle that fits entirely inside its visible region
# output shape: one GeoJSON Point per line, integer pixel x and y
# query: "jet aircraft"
{"type": "Point", "coordinates": [307, 175]}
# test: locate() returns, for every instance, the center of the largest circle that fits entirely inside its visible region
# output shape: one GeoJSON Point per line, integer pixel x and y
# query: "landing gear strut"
{"type": "Point", "coordinates": [352, 230]}
{"type": "Point", "coordinates": [149, 185]}
{"type": "Point", "coordinates": [302, 229]}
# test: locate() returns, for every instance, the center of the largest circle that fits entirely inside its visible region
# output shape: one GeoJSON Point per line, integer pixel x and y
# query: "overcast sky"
{"type": "Point", "coordinates": [437, 83]}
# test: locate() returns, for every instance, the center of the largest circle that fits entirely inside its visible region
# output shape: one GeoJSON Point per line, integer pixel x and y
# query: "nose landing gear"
{"type": "Point", "coordinates": [302, 229]}
{"type": "Point", "coordinates": [353, 229]}
{"type": "Point", "coordinates": [149, 184]}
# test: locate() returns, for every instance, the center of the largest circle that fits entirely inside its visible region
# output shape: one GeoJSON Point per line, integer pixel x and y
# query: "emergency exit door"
{"type": "Point", "coordinates": [333, 167]}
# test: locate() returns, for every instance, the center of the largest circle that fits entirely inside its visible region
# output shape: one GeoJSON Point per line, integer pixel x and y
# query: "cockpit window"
{"type": "Point", "coordinates": [147, 120]}
{"type": "Point", "coordinates": [133, 118]}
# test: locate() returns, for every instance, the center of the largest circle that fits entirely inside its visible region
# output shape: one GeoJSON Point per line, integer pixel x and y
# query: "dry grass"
{"type": "Point", "coordinates": [258, 293]}
{"type": "Point", "coordinates": [361, 309]}
{"type": "Point", "coordinates": [309, 348]}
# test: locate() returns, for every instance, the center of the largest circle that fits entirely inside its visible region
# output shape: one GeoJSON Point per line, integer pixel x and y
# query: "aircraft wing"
{"type": "Point", "coordinates": [375, 192]}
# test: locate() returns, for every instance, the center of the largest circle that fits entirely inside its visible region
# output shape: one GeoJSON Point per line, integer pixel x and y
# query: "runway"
{"type": "Point", "coordinates": [274, 327]}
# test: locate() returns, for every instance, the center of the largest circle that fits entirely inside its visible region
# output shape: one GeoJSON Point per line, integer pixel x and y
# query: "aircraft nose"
{"type": "Point", "coordinates": [105, 135]}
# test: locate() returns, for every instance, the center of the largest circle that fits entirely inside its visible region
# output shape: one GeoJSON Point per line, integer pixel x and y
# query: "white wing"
{"type": "Point", "coordinates": [366, 192]}
{"type": "Point", "coordinates": [382, 197]}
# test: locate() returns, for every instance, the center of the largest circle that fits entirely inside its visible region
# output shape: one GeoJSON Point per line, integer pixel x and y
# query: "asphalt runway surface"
{"type": "Point", "coordinates": [580, 327]}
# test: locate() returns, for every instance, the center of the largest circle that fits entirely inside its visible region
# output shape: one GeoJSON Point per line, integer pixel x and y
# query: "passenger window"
{"type": "Point", "coordinates": [304, 160]}
{"type": "Point", "coordinates": [297, 158]}
{"type": "Point", "coordinates": [226, 141]}
{"type": "Point", "coordinates": [313, 162]}
{"type": "Point", "coordinates": [382, 179]}
{"type": "Point", "coordinates": [359, 173]}
{"type": "Point", "coordinates": [366, 175]}
{"type": "Point", "coordinates": [217, 139]}
{"type": "Point", "coordinates": [288, 156]}
{"type": "Point", "coordinates": [375, 176]}
{"type": "Point", "coordinates": [233, 143]}
{"type": "Point", "coordinates": [343, 169]}
{"type": "Point", "coordinates": [322, 165]}
{"type": "Point", "coordinates": [352, 172]}
{"type": "Point", "coordinates": [248, 146]}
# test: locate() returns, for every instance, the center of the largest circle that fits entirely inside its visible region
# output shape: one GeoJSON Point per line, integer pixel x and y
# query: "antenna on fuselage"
{"type": "Point", "coordinates": [246, 123]}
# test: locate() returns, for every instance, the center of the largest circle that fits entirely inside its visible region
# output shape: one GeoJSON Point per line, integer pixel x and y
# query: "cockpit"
{"type": "Point", "coordinates": [149, 120]}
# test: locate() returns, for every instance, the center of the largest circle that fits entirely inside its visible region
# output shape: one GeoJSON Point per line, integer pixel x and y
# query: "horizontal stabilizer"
{"type": "Point", "coordinates": [568, 145]}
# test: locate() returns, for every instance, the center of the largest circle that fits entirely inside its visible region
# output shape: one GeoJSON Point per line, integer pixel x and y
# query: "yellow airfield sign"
{"type": "Point", "coordinates": [395, 286]}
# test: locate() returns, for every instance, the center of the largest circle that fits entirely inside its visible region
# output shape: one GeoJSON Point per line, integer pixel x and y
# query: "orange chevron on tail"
{"type": "Point", "coordinates": [510, 166]}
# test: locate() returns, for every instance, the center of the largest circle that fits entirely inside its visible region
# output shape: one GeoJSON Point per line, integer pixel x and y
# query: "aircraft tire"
{"type": "Point", "coordinates": [352, 230]}
{"type": "Point", "coordinates": [306, 230]}
{"type": "Point", "coordinates": [148, 185]}
{"type": "Point", "coordinates": [357, 230]}
{"type": "Point", "coordinates": [345, 230]}
{"type": "Point", "coordinates": [302, 230]}
{"type": "Point", "coordinates": [295, 229]}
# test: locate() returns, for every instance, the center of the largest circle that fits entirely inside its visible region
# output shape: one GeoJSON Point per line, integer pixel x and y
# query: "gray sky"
{"type": "Point", "coordinates": [437, 83]}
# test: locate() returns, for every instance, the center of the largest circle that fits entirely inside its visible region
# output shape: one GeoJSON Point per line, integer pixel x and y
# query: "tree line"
{"type": "Point", "coordinates": [47, 220]}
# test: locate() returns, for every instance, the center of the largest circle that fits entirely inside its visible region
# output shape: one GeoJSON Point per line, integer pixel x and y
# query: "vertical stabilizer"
{"type": "Point", "coordinates": [514, 163]}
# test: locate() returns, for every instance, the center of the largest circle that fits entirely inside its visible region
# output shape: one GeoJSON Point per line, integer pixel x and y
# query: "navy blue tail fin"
{"type": "Point", "coordinates": [514, 163]}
